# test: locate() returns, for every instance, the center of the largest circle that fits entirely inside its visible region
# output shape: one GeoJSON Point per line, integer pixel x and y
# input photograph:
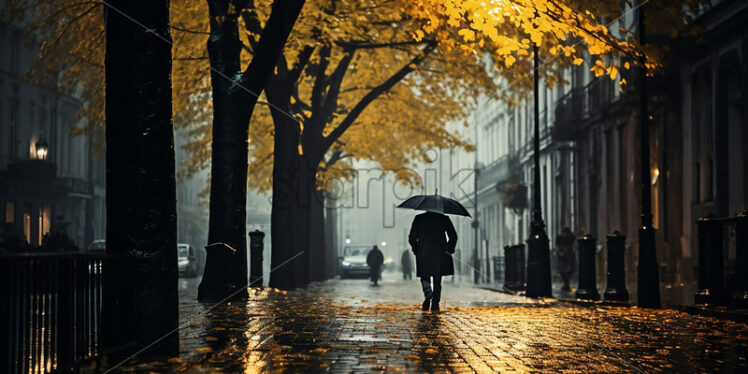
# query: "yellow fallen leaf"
{"type": "Point", "coordinates": [175, 360]}
{"type": "Point", "coordinates": [205, 349]}
{"type": "Point", "coordinates": [210, 338]}
{"type": "Point", "coordinates": [413, 357]}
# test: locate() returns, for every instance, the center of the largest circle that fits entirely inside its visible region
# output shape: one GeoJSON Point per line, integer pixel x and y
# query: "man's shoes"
{"type": "Point", "coordinates": [425, 305]}
{"type": "Point", "coordinates": [435, 306]}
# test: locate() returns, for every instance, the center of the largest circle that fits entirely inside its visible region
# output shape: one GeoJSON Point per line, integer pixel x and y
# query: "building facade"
{"type": "Point", "coordinates": [49, 179]}
{"type": "Point", "coordinates": [589, 154]}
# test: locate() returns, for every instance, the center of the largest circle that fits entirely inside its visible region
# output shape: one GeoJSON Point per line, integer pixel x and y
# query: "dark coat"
{"type": "Point", "coordinates": [375, 258]}
{"type": "Point", "coordinates": [433, 239]}
{"type": "Point", "coordinates": [565, 255]}
{"type": "Point", "coordinates": [406, 262]}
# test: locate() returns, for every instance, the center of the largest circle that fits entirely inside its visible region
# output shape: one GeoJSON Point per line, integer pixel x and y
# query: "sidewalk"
{"type": "Point", "coordinates": [348, 326]}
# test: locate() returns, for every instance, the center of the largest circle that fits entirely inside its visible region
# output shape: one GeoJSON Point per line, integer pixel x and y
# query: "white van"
{"type": "Point", "coordinates": [186, 260]}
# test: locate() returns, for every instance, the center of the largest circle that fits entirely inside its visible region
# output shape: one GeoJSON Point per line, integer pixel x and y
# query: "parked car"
{"type": "Point", "coordinates": [353, 262]}
{"type": "Point", "coordinates": [187, 261]}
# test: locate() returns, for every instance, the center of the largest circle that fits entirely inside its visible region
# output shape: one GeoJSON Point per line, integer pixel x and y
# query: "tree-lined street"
{"type": "Point", "coordinates": [557, 152]}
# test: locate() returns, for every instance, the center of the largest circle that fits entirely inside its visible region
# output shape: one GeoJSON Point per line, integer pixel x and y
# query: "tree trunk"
{"type": "Point", "coordinates": [331, 240]}
{"type": "Point", "coordinates": [305, 180]}
{"type": "Point", "coordinates": [235, 95]}
{"type": "Point", "coordinates": [140, 295]}
{"type": "Point", "coordinates": [282, 226]}
{"type": "Point", "coordinates": [317, 248]}
{"type": "Point", "coordinates": [232, 107]}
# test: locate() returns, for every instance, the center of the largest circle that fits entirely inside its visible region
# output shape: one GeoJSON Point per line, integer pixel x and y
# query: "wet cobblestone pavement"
{"type": "Point", "coordinates": [348, 326]}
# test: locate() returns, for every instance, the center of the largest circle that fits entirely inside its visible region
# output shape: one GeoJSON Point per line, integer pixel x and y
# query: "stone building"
{"type": "Point", "coordinates": [48, 177]}
{"type": "Point", "coordinates": [589, 144]}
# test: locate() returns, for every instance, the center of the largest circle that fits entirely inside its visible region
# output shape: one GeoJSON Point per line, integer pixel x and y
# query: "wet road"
{"type": "Point", "coordinates": [349, 326]}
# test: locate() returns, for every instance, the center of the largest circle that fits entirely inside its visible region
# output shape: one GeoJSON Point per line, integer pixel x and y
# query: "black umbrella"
{"type": "Point", "coordinates": [435, 203]}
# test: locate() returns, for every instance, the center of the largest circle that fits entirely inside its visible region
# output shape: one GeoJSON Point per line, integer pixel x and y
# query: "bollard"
{"type": "Point", "coordinates": [587, 284]}
{"type": "Point", "coordinates": [216, 283]}
{"type": "Point", "coordinates": [508, 267]}
{"type": "Point", "coordinates": [616, 285]}
{"type": "Point", "coordinates": [740, 299]}
{"type": "Point", "coordinates": [710, 261]}
{"type": "Point", "coordinates": [514, 279]}
{"type": "Point", "coordinates": [256, 247]}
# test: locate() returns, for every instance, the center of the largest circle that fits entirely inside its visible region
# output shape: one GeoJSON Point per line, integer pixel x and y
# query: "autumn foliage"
{"type": "Point", "coordinates": [480, 47]}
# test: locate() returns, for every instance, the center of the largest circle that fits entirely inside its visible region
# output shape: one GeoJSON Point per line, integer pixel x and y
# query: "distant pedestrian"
{"type": "Point", "coordinates": [375, 259]}
{"type": "Point", "coordinates": [407, 264]}
{"type": "Point", "coordinates": [433, 239]}
{"type": "Point", "coordinates": [565, 256]}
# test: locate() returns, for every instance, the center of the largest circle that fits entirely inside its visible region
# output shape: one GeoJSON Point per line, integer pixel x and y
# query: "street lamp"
{"type": "Point", "coordinates": [538, 250]}
{"type": "Point", "coordinates": [384, 244]}
{"type": "Point", "coordinates": [41, 149]}
{"type": "Point", "coordinates": [347, 238]}
{"type": "Point", "coordinates": [648, 280]}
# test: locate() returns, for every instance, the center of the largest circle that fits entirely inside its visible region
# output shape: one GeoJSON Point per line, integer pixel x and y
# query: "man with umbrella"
{"type": "Point", "coordinates": [433, 239]}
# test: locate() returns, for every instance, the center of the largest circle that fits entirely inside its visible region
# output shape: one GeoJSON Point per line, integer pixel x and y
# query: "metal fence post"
{"type": "Point", "coordinates": [256, 247]}
{"type": "Point", "coordinates": [508, 267]}
{"type": "Point", "coordinates": [65, 318]}
{"type": "Point", "coordinates": [616, 285]}
{"type": "Point", "coordinates": [514, 277]}
{"type": "Point", "coordinates": [587, 283]}
{"type": "Point", "coordinates": [710, 261]}
{"type": "Point", "coordinates": [740, 299]}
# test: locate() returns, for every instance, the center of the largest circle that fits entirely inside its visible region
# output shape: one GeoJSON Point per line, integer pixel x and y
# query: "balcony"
{"type": "Point", "coordinates": [571, 109]}
{"type": "Point", "coordinates": [580, 105]}
{"type": "Point", "coordinates": [76, 186]}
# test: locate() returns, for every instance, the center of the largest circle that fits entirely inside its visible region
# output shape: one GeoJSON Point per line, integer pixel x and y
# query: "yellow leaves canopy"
{"type": "Point", "coordinates": [481, 45]}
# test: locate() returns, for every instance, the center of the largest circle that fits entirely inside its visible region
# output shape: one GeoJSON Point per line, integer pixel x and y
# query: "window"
{"type": "Point", "coordinates": [44, 216]}
{"type": "Point", "coordinates": [10, 212]}
{"type": "Point", "coordinates": [27, 226]}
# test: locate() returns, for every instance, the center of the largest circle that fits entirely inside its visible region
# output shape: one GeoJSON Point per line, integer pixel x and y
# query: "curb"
{"type": "Point", "coordinates": [721, 313]}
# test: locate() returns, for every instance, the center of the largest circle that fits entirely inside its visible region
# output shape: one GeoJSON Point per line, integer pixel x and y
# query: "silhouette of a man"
{"type": "Point", "coordinates": [407, 264]}
{"type": "Point", "coordinates": [433, 239]}
{"type": "Point", "coordinates": [565, 256]}
{"type": "Point", "coordinates": [375, 259]}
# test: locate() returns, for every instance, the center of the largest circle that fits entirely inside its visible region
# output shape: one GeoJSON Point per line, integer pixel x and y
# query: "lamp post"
{"type": "Point", "coordinates": [648, 280]}
{"type": "Point", "coordinates": [538, 252]}
{"type": "Point", "coordinates": [42, 149]}
{"type": "Point", "coordinates": [476, 224]}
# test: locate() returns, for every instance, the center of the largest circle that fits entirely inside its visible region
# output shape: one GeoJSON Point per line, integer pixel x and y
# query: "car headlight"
{"type": "Point", "coordinates": [346, 263]}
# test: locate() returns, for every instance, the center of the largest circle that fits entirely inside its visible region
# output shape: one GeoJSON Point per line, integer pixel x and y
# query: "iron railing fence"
{"type": "Point", "coordinates": [51, 310]}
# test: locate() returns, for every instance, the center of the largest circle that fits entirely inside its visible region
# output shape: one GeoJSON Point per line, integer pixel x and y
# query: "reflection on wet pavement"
{"type": "Point", "coordinates": [327, 327]}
